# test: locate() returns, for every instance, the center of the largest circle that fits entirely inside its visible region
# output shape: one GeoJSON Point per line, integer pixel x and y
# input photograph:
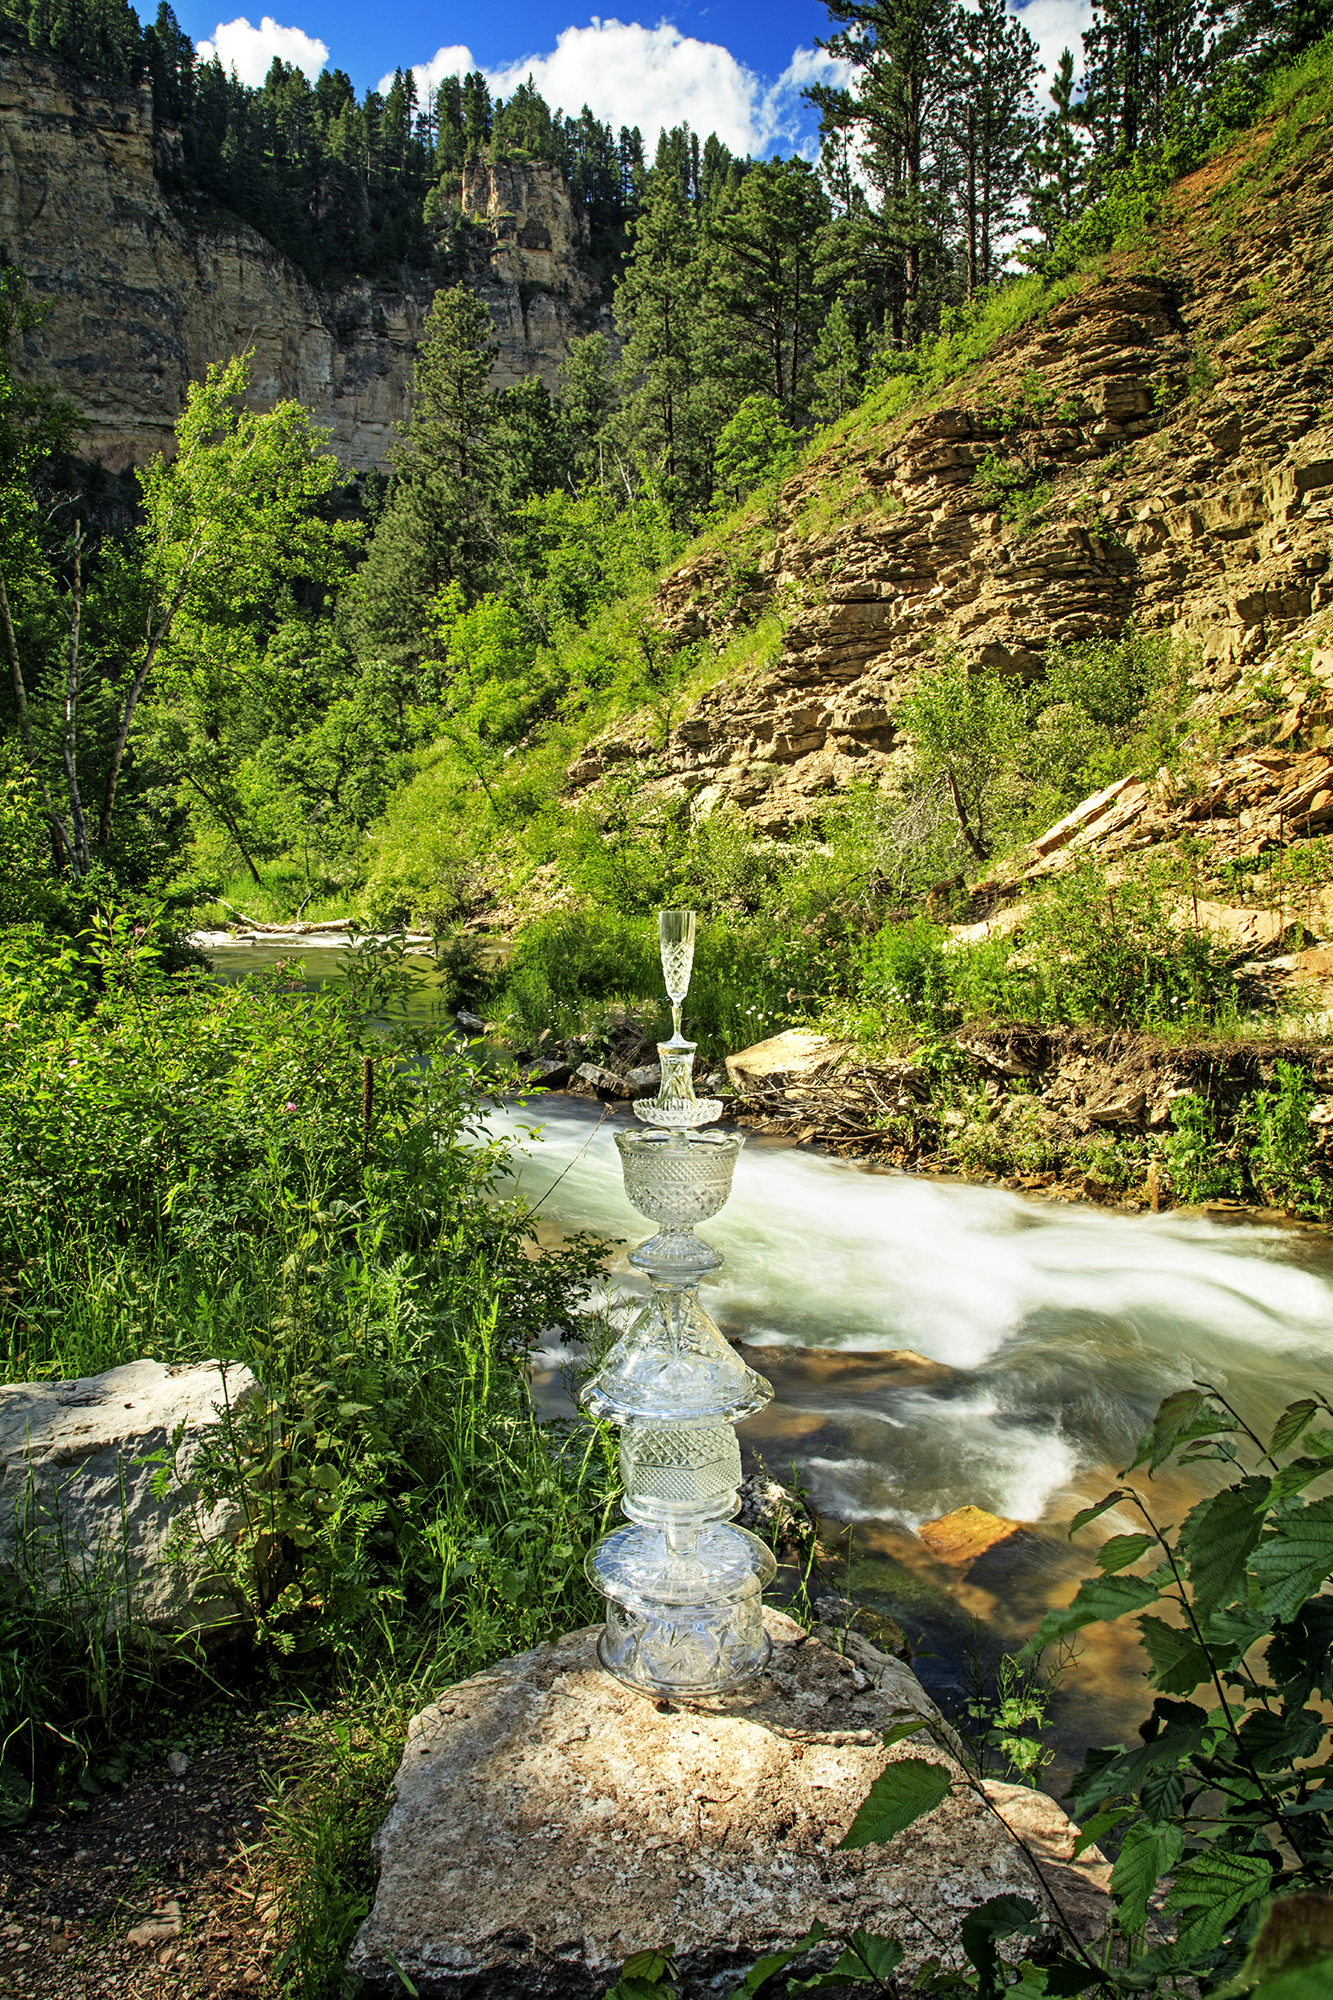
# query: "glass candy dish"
{"type": "Point", "coordinates": [683, 1621]}
{"type": "Point", "coordinates": [677, 1179]}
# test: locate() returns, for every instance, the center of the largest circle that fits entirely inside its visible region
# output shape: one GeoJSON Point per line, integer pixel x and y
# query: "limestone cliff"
{"type": "Point", "coordinates": [142, 301]}
{"type": "Point", "coordinates": [1173, 418]}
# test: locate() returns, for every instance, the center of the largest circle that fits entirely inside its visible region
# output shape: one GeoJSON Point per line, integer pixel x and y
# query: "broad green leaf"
{"type": "Point", "coordinates": [777, 1961]}
{"type": "Point", "coordinates": [1179, 1663]}
{"type": "Point", "coordinates": [904, 1792]}
{"type": "Point", "coordinates": [1179, 1736]}
{"type": "Point", "coordinates": [1121, 1550]}
{"type": "Point", "coordinates": [1291, 1423]}
{"type": "Point", "coordinates": [1300, 1657]}
{"type": "Point", "coordinates": [866, 1961]}
{"type": "Point", "coordinates": [1209, 1894]}
{"type": "Point", "coordinates": [881, 1956]}
{"type": "Point", "coordinates": [1099, 1597]}
{"type": "Point", "coordinates": [912, 1726]}
{"type": "Point", "coordinates": [983, 1929]}
{"type": "Point", "coordinates": [1296, 1476]}
{"type": "Point", "coordinates": [1277, 1742]}
{"type": "Point", "coordinates": [1296, 1560]}
{"type": "Point", "coordinates": [1175, 1420]}
{"type": "Point", "coordinates": [1147, 1853]}
{"type": "Point", "coordinates": [1093, 1829]}
{"type": "Point", "coordinates": [1218, 1537]}
{"type": "Point", "coordinates": [645, 1965]}
{"type": "Point", "coordinates": [1086, 1514]}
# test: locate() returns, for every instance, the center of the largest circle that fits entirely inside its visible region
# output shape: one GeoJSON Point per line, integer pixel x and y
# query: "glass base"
{"type": "Point", "coordinates": [676, 1253]}
{"type": "Point", "coordinates": [709, 1653]}
{"type": "Point", "coordinates": [686, 1114]}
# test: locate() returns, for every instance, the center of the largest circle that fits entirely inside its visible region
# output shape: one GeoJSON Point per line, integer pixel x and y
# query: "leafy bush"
{"type": "Point", "coordinates": [1226, 1801]}
{"type": "Point", "coordinates": [301, 1183]}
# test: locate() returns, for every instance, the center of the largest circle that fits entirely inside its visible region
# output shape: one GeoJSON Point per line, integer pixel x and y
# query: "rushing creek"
{"type": "Point", "coordinates": [935, 1345]}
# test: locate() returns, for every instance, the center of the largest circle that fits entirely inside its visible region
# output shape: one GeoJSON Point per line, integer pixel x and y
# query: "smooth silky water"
{"type": "Point", "coordinates": [935, 1345]}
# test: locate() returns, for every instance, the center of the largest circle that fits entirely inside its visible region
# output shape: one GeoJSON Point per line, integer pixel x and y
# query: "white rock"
{"type": "Point", "coordinates": [78, 1514]}
{"type": "Point", "coordinates": [547, 1824]}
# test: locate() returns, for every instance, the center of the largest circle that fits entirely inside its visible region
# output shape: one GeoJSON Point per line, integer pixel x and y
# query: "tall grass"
{"type": "Point", "coordinates": [201, 1172]}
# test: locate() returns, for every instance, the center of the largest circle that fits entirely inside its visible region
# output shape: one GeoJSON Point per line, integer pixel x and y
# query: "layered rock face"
{"type": "Point", "coordinates": [1160, 450]}
{"type": "Point", "coordinates": [141, 302]}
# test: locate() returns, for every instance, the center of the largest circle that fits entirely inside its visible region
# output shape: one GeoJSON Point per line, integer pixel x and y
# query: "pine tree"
{"type": "Point", "coordinates": [895, 117]}
{"type": "Point", "coordinates": [766, 243]}
{"type": "Point", "coordinates": [667, 368]}
{"type": "Point", "coordinates": [839, 369]}
{"type": "Point", "coordinates": [435, 527]}
{"type": "Point", "coordinates": [995, 125]}
{"type": "Point", "coordinates": [1141, 58]}
{"type": "Point", "coordinates": [1058, 160]}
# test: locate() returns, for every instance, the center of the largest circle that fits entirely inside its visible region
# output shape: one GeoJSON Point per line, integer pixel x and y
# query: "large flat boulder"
{"type": "Point", "coordinates": [79, 1516]}
{"type": "Point", "coordinates": [547, 1824]}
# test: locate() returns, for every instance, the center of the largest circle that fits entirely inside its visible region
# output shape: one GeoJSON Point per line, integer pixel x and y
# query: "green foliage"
{"type": "Point", "coordinates": [1227, 1795]}
{"type": "Point", "coordinates": [963, 727]}
{"type": "Point", "coordinates": [758, 444]}
{"type": "Point", "coordinates": [301, 1184]}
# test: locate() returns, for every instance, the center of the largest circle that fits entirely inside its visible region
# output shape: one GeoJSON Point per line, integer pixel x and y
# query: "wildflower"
{"type": "Point", "coordinates": [289, 1106]}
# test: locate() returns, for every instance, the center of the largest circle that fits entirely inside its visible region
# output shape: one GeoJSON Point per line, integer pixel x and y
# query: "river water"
{"type": "Point", "coordinates": [935, 1345]}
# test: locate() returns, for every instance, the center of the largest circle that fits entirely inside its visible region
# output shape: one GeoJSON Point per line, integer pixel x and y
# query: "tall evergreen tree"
{"type": "Point", "coordinates": [766, 241]}
{"type": "Point", "coordinates": [1141, 58]}
{"type": "Point", "coordinates": [1057, 160]}
{"type": "Point", "coordinates": [668, 368]}
{"type": "Point", "coordinates": [895, 114]}
{"type": "Point", "coordinates": [995, 124]}
{"type": "Point", "coordinates": [434, 529]}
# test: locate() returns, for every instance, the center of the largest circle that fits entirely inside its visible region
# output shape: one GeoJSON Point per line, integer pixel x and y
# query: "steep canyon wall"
{"type": "Point", "coordinates": [141, 300]}
{"type": "Point", "coordinates": [1167, 429]}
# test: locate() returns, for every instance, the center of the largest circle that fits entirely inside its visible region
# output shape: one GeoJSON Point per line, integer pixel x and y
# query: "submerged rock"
{"type": "Point", "coordinates": [547, 1824]}
{"type": "Point", "coordinates": [959, 1538]}
{"type": "Point", "coordinates": [79, 1518]}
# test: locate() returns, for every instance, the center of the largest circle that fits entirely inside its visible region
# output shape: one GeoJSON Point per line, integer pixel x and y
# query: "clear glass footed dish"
{"type": "Point", "coordinates": [677, 1179]}
{"type": "Point", "coordinates": [673, 1364]}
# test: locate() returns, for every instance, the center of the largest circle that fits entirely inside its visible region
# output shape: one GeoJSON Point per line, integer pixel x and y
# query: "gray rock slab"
{"type": "Point", "coordinates": [78, 1514]}
{"type": "Point", "coordinates": [547, 1824]}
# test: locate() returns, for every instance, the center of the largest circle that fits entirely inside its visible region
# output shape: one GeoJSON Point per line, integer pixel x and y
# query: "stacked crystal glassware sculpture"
{"type": "Point", "coordinates": [683, 1584]}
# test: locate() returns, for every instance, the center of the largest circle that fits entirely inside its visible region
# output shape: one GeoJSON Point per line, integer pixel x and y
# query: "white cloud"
{"type": "Point", "coordinates": [250, 51]}
{"type": "Point", "coordinates": [1056, 25]}
{"type": "Point", "coordinates": [655, 77]}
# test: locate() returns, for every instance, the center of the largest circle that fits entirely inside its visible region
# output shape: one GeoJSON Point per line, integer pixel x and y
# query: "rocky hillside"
{"type": "Point", "coordinates": [142, 301]}
{"type": "Point", "coordinates": [1154, 443]}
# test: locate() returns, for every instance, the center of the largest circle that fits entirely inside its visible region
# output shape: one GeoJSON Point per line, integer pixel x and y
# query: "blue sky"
{"type": "Point", "coordinates": [737, 69]}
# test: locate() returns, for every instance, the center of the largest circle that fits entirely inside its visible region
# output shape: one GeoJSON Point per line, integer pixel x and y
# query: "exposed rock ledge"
{"type": "Point", "coordinates": [547, 1824]}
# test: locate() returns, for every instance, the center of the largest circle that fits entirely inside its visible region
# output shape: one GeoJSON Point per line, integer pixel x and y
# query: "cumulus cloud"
{"type": "Point", "coordinates": [655, 77]}
{"type": "Point", "coordinates": [1056, 25]}
{"type": "Point", "coordinates": [250, 51]}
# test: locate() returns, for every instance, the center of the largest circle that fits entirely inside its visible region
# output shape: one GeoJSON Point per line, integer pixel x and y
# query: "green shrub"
{"type": "Point", "coordinates": [1200, 1168]}
{"type": "Point", "coordinates": [302, 1183]}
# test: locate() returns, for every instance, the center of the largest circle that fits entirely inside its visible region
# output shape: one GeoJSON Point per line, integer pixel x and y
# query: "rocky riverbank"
{"type": "Point", "coordinates": [1072, 1113]}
